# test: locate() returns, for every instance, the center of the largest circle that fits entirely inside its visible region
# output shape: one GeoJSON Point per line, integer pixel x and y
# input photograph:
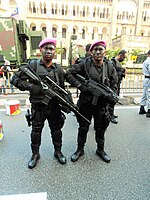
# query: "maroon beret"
{"type": "Point", "coordinates": [47, 41]}
{"type": "Point", "coordinates": [101, 42]}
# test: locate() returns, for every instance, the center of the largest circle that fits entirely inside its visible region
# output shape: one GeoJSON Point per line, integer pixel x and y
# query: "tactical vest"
{"type": "Point", "coordinates": [55, 74]}
{"type": "Point", "coordinates": [103, 76]}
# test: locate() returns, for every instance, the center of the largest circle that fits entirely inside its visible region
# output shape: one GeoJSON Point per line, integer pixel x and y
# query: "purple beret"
{"type": "Point", "coordinates": [48, 41]}
{"type": "Point", "coordinates": [148, 52]}
{"type": "Point", "coordinates": [102, 43]}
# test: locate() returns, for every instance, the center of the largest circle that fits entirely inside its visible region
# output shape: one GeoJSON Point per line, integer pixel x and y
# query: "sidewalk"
{"type": "Point", "coordinates": [125, 99]}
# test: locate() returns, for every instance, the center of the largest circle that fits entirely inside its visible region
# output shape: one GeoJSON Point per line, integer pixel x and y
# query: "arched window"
{"type": "Point", "coordinates": [63, 33]}
{"type": "Point", "coordinates": [94, 14]}
{"type": "Point", "coordinates": [107, 14]}
{"type": "Point", "coordinates": [44, 10]}
{"type": "Point", "coordinates": [53, 11]}
{"type": "Point", "coordinates": [130, 31]}
{"type": "Point", "coordinates": [144, 18]}
{"type": "Point", "coordinates": [83, 13]}
{"type": "Point", "coordinates": [44, 31]}
{"type": "Point", "coordinates": [83, 34]}
{"type": "Point", "coordinates": [34, 9]}
{"type": "Point", "coordinates": [74, 12]}
{"type": "Point", "coordinates": [33, 28]}
{"type": "Point", "coordinates": [63, 12]}
{"type": "Point", "coordinates": [56, 10]}
{"type": "Point", "coordinates": [64, 54]}
{"type": "Point", "coordinates": [30, 9]}
{"type": "Point", "coordinates": [101, 15]}
{"type": "Point", "coordinates": [74, 31]}
{"type": "Point", "coordinates": [54, 32]}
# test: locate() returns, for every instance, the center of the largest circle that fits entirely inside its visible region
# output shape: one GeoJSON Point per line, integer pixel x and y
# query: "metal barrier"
{"type": "Point", "coordinates": [132, 83]}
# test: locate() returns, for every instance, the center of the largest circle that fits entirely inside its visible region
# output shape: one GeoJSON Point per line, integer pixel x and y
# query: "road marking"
{"type": "Point", "coordinates": [31, 196]}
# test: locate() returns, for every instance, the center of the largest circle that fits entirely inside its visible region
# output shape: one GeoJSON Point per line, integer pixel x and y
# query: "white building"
{"type": "Point", "coordinates": [121, 23]}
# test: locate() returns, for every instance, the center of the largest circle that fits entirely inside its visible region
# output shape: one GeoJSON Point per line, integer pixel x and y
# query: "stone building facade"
{"type": "Point", "coordinates": [121, 23]}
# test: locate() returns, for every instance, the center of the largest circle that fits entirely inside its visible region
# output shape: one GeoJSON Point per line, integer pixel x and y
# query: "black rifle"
{"type": "Point", "coordinates": [98, 90]}
{"type": "Point", "coordinates": [51, 89]}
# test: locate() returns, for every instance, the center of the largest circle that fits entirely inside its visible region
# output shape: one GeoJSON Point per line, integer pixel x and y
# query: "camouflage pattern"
{"type": "Point", "coordinates": [7, 41]}
{"type": "Point", "coordinates": [13, 41]}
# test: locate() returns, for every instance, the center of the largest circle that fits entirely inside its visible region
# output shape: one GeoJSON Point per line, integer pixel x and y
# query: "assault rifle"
{"type": "Point", "coordinates": [51, 89]}
{"type": "Point", "coordinates": [98, 90]}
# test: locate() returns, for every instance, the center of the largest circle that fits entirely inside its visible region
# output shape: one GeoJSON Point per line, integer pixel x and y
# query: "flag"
{"type": "Point", "coordinates": [15, 12]}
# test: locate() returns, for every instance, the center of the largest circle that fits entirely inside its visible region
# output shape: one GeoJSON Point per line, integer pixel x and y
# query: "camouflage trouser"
{"type": "Point", "coordinates": [145, 100]}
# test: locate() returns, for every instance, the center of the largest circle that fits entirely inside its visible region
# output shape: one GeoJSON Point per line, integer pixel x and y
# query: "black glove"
{"type": "Point", "coordinates": [36, 90]}
{"type": "Point", "coordinates": [23, 85]}
{"type": "Point", "coordinates": [83, 88]}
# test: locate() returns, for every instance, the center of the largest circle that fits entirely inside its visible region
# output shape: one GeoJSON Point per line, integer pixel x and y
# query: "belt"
{"type": "Point", "coordinates": [147, 76]}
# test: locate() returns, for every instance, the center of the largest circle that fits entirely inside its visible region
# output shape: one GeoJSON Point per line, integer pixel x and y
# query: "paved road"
{"type": "Point", "coordinates": [126, 177]}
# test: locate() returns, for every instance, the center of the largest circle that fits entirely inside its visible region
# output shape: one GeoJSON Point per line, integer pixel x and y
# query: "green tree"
{"type": "Point", "coordinates": [112, 53]}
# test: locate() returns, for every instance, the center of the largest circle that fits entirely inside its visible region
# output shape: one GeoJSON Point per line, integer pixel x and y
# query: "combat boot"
{"type": "Point", "coordinates": [100, 145]}
{"type": "Point", "coordinates": [77, 154]}
{"type": "Point", "coordinates": [114, 120]}
{"type": "Point", "coordinates": [103, 155]}
{"type": "Point", "coordinates": [82, 134]}
{"type": "Point", "coordinates": [33, 161]}
{"type": "Point", "coordinates": [35, 157]}
{"type": "Point", "coordinates": [148, 113]}
{"type": "Point", "coordinates": [142, 110]}
{"type": "Point", "coordinates": [60, 157]}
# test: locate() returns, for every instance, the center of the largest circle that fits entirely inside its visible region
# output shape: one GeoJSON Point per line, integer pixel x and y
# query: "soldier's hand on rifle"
{"type": "Point", "coordinates": [36, 90]}
{"type": "Point", "coordinates": [83, 88]}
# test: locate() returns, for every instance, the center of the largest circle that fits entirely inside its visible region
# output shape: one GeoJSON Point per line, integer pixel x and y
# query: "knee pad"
{"type": "Point", "coordinates": [37, 126]}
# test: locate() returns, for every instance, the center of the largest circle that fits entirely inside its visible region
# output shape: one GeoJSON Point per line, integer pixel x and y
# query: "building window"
{"type": "Point", "coordinates": [56, 11]}
{"type": "Point", "coordinates": [53, 11]}
{"type": "Point", "coordinates": [33, 28]}
{"type": "Point", "coordinates": [44, 10]}
{"type": "Point", "coordinates": [63, 33]}
{"type": "Point", "coordinates": [63, 12]}
{"type": "Point", "coordinates": [93, 35]}
{"type": "Point", "coordinates": [54, 32]}
{"type": "Point", "coordinates": [74, 31]}
{"type": "Point", "coordinates": [74, 13]}
{"type": "Point", "coordinates": [83, 13]}
{"type": "Point", "coordinates": [64, 54]}
{"type": "Point", "coordinates": [130, 31]}
{"type": "Point", "coordinates": [94, 14]}
{"type": "Point", "coordinates": [44, 31]}
{"type": "Point", "coordinates": [144, 18]}
{"type": "Point", "coordinates": [34, 9]}
{"type": "Point", "coordinates": [83, 34]}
